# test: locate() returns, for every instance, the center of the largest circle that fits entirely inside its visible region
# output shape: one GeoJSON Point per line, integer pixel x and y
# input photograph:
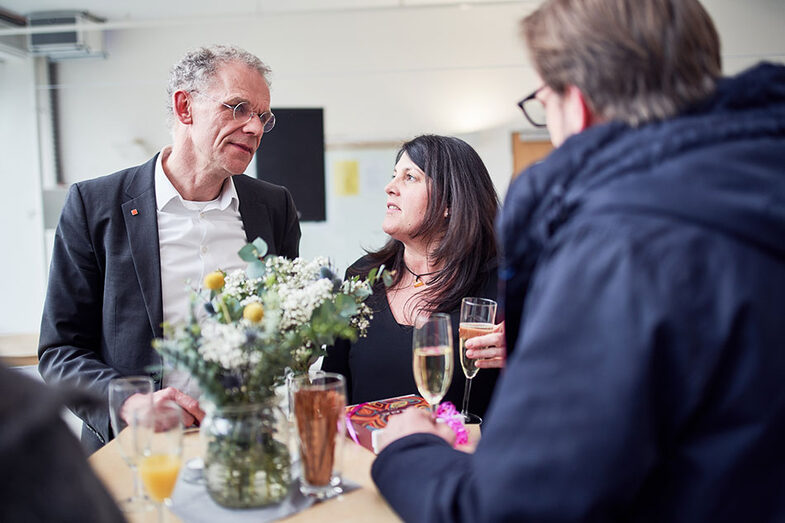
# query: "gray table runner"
{"type": "Point", "coordinates": [192, 504]}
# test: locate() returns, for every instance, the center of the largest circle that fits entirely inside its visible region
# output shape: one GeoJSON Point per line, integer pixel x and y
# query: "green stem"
{"type": "Point", "coordinates": [227, 318]}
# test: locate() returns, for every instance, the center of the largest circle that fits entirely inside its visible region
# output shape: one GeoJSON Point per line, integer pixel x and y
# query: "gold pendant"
{"type": "Point", "coordinates": [418, 282]}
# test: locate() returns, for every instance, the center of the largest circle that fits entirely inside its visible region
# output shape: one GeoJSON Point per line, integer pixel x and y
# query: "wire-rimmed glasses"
{"type": "Point", "coordinates": [242, 112]}
{"type": "Point", "coordinates": [533, 109]}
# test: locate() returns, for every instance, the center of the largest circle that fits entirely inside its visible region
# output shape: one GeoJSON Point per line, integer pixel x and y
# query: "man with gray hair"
{"type": "Point", "coordinates": [644, 289]}
{"type": "Point", "coordinates": [128, 244]}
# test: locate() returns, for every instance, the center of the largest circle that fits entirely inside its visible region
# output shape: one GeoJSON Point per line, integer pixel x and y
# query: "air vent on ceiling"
{"type": "Point", "coordinates": [79, 41]}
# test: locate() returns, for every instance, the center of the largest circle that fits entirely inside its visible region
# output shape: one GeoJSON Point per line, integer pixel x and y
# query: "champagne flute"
{"type": "Point", "coordinates": [140, 390]}
{"type": "Point", "coordinates": [159, 446]}
{"type": "Point", "coordinates": [432, 359]}
{"type": "Point", "coordinates": [477, 317]}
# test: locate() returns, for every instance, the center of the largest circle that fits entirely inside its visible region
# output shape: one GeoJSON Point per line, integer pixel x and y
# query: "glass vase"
{"type": "Point", "coordinates": [246, 455]}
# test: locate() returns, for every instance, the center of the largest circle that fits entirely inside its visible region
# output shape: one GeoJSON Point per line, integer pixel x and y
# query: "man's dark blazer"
{"type": "Point", "coordinates": [103, 305]}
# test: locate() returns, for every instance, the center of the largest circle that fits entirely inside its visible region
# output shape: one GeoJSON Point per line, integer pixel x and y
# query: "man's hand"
{"type": "Point", "coordinates": [193, 414]}
{"type": "Point", "coordinates": [489, 350]}
{"type": "Point", "coordinates": [133, 403]}
{"type": "Point", "coordinates": [413, 421]}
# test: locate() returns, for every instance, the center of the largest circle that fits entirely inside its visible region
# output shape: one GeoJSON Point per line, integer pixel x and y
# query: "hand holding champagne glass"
{"type": "Point", "coordinates": [477, 319]}
{"type": "Point", "coordinates": [432, 356]}
{"type": "Point", "coordinates": [159, 445]}
{"type": "Point", "coordinates": [139, 390]}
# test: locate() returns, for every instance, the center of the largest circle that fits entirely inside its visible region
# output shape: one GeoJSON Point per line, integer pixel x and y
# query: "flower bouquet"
{"type": "Point", "coordinates": [254, 325]}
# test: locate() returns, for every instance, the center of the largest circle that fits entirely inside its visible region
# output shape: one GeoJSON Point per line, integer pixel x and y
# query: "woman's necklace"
{"type": "Point", "coordinates": [418, 281]}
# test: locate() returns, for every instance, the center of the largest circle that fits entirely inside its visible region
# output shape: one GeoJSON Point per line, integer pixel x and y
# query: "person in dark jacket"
{"type": "Point", "coordinates": [128, 244]}
{"type": "Point", "coordinates": [45, 474]}
{"type": "Point", "coordinates": [644, 272]}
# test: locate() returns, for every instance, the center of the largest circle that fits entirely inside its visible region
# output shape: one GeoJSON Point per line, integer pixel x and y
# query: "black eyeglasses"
{"type": "Point", "coordinates": [242, 112]}
{"type": "Point", "coordinates": [533, 109]}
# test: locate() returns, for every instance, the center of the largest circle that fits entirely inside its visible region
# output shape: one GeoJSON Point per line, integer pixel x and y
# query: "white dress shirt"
{"type": "Point", "coordinates": [194, 239]}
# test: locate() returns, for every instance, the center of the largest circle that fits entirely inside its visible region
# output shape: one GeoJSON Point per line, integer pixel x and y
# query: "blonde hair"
{"type": "Point", "coordinates": [634, 60]}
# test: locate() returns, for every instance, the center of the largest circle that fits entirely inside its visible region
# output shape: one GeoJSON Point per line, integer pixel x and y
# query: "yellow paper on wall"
{"type": "Point", "coordinates": [346, 177]}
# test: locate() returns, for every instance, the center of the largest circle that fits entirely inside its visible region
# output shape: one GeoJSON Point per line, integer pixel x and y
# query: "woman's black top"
{"type": "Point", "coordinates": [380, 365]}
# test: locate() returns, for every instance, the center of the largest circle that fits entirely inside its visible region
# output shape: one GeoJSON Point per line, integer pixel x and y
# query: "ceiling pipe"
{"type": "Point", "coordinates": [170, 22]}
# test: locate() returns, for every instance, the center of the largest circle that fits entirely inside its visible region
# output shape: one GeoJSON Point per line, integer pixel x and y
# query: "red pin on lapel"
{"type": "Point", "coordinates": [134, 212]}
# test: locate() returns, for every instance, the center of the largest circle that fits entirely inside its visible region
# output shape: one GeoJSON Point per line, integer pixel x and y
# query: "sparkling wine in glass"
{"type": "Point", "coordinates": [159, 446]}
{"type": "Point", "coordinates": [432, 359]}
{"type": "Point", "coordinates": [477, 317]}
{"type": "Point", "coordinates": [125, 396]}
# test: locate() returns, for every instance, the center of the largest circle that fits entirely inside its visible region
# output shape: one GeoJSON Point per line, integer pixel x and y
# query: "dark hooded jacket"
{"type": "Point", "coordinates": [645, 304]}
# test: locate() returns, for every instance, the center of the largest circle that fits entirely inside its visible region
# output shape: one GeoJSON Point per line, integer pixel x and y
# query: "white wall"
{"type": "Point", "coordinates": [381, 76]}
{"type": "Point", "coordinates": [22, 262]}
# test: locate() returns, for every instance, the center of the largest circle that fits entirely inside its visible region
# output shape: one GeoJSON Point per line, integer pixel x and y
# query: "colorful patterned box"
{"type": "Point", "coordinates": [368, 418]}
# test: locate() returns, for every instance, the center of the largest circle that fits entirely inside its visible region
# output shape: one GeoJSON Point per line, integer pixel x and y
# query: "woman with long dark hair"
{"type": "Point", "coordinates": [441, 206]}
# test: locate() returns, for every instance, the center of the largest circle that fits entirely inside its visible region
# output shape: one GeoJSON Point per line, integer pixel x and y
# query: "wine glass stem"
{"type": "Point", "coordinates": [138, 493]}
{"type": "Point", "coordinates": [466, 390]}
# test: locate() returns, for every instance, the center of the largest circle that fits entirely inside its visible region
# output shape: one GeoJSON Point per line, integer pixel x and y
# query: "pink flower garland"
{"type": "Point", "coordinates": [450, 415]}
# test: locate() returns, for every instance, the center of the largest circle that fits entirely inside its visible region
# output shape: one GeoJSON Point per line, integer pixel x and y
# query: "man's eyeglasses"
{"type": "Point", "coordinates": [533, 109]}
{"type": "Point", "coordinates": [242, 112]}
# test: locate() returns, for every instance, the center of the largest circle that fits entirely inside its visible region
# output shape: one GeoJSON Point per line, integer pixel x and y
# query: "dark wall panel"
{"type": "Point", "coordinates": [292, 155]}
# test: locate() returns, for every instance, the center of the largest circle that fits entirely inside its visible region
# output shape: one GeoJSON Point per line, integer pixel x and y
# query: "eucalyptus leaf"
{"type": "Point", "coordinates": [387, 278]}
{"type": "Point", "coordinates": [261, 246]}
{"type": "Point", "coordinates": [347, 307]}
{"type": "Point", "coordinates": [256, 269]}
{"type": "Point", "coordinates": [248, 253]}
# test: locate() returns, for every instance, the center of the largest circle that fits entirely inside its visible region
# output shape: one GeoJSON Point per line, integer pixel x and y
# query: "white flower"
{"type": "Point", "coordinates": [223, 344]}
{"type": "Point", "coordinates": [249, 354]}
{"type": "Point", "coordinates": [239, 286]}
{"type": "Point", "coordinates": [298, 304]}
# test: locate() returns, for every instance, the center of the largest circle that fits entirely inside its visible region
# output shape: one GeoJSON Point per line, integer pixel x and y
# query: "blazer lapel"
{"type": "Point", "coordinates": [141, 223]}
{"type": "Point", "coordinates": [253, 213]}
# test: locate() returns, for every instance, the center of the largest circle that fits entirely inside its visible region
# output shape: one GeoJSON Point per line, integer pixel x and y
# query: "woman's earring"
{"type": "Point", "coordinates": [446, 213]}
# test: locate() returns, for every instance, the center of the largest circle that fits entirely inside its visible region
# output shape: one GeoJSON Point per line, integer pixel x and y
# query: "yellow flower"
{"type": "Point", "coordinates": [253, 312]}
{"type": "Point", "coordinates": [214, 281]}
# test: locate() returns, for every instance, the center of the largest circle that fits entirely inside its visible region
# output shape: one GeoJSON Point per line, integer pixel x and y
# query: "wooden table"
{"type": "Point", "coordinates": [361, 505]}
{"type": "Point", "coordinates": [19, 349]}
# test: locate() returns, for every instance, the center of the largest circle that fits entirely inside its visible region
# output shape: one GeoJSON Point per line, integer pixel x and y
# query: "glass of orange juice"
{"type": "Point", "coordinates": [159, 445]}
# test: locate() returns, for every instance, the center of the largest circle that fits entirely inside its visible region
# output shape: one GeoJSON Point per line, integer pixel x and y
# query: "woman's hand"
{"type": "Point", "coordinates": [413, 421]}
{"type": "Point", "coordinates": [490, 350]}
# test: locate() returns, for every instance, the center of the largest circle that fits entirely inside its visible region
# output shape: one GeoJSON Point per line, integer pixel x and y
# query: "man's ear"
{"type": "Point", "coordinates": [579, 115]}
{"type": "Point", "coordinates": [181, 104]}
